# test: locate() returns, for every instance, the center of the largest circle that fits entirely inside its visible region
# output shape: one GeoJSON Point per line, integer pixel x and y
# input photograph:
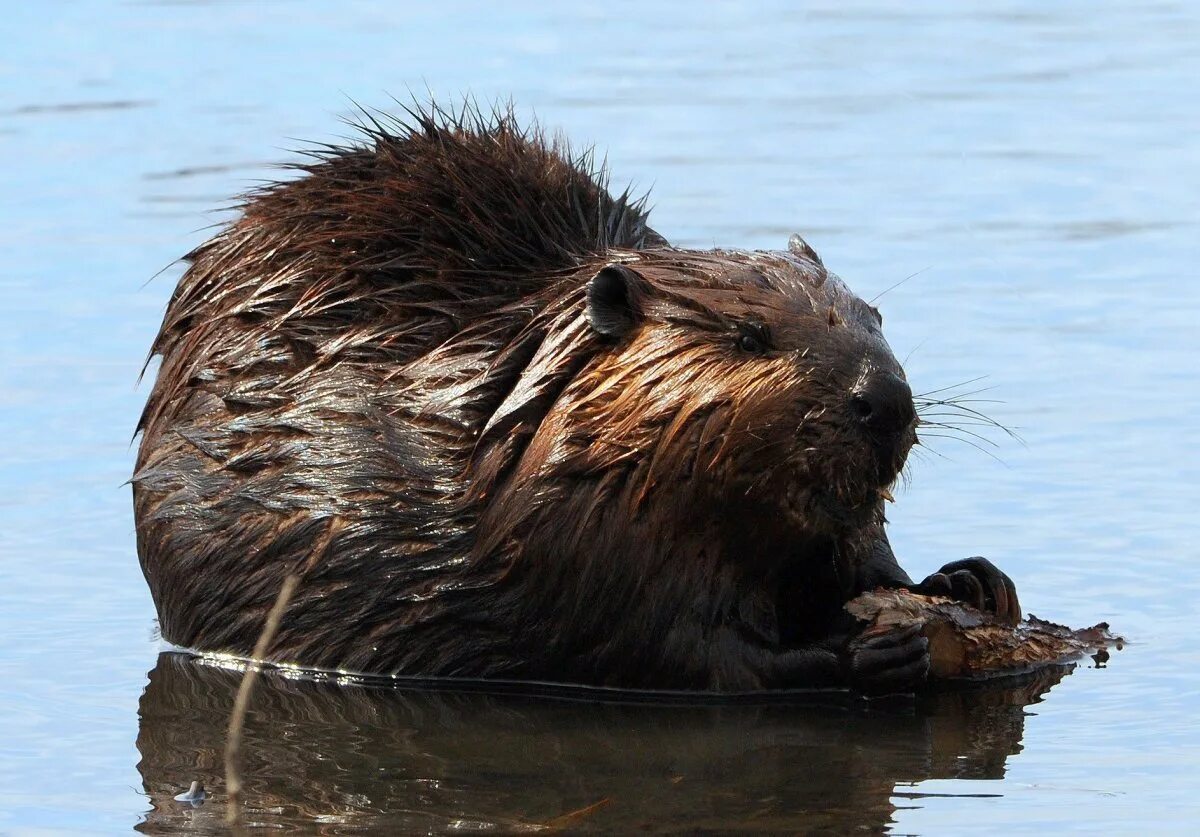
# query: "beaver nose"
{"type": "Point", "coordinates": [883, 404]}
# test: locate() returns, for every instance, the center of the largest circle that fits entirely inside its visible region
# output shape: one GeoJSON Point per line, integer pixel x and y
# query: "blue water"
{"type": "Point", "coordinates": [1036, 166]}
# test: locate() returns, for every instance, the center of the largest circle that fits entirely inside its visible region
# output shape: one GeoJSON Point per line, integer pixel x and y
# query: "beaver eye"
{"type": "Point", "coordinates": [753, 338]}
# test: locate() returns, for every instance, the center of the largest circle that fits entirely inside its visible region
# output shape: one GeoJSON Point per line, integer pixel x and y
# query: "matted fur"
{"type": "Point", "coordinates": [383, 376]}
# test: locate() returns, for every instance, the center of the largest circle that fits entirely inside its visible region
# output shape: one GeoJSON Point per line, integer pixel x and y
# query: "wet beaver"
{"type": "Point", "coordinates": [502, 429]}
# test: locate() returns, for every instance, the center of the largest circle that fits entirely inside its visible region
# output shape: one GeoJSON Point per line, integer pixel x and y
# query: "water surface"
{"type": "Point", "coordinates": [1035, 166]}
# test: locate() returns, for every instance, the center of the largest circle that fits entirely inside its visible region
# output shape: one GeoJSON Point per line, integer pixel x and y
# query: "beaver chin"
{"type": "Point", "coordinates": [824, 511]}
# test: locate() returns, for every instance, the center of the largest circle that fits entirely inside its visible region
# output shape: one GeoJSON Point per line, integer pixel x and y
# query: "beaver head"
{"type": "Point", "coordinates": [727, 382]}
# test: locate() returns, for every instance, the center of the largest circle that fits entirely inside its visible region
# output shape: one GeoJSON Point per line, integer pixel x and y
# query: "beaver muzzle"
{"type": "Point", "coordinates": [882, 405]}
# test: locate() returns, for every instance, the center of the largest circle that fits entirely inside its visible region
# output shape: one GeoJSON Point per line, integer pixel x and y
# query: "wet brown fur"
{"type": "Point", "coordinates": [383, 376]}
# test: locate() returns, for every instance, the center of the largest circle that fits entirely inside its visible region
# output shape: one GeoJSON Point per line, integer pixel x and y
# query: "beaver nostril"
{"type": "Point", "coordinates": [861, 407]}
{"type": "Point", "coordinates": [883, 403]}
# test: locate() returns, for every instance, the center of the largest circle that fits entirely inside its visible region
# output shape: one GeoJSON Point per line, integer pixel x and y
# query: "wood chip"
{"type": "Point", "coordinates": [967, 644]}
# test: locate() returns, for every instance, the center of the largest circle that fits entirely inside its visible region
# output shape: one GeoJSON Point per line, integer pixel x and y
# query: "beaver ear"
{"type": "Point", "coordinates": [614, 301]}
{"type": "Point", "coordinates": [797, 246]}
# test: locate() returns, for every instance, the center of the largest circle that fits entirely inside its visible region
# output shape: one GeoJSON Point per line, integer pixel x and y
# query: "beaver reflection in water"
{"type": "Point", "coordinates": [501, 429]}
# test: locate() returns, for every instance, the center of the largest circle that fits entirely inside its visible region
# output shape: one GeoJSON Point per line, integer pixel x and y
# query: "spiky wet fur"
{"type": "Point", "coordinates": [382, 377]}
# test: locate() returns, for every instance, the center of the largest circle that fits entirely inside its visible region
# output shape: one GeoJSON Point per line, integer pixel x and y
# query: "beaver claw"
{"type": "Point", "coordinates": [977, 582]}
{"type": "Point", "coordinates": [888, 663]}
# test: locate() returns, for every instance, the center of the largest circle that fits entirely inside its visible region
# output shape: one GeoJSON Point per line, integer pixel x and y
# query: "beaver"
{"type": "Point", "coordinates": [501, 429]}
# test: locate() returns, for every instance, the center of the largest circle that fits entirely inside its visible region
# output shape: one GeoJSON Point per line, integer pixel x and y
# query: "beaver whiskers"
{"type": "Point", "coordinates": [958, 416]}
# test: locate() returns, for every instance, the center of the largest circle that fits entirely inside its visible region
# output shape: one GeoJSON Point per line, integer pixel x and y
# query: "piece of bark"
{"type": "Point", "coordinates": [967, 644]}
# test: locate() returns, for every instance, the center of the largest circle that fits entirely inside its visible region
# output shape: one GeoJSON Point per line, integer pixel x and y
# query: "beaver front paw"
{"type": "Point", "coordinates": [977, 582]}
{"type": "Point", "coordinates": [887, 663]}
